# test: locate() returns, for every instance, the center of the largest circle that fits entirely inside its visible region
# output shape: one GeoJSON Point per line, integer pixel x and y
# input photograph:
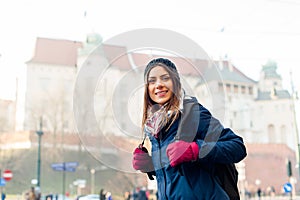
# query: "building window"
{"type": "Point", "coordinates": [283, 133]}
{"type": "Point", "coordinates": [228, 87]}
{"type": "Point", "coordinates": [250, 90]}
{"type": "Point", "coordinates": [243, 89]}
{"type": "Point", "coordinates": [271, 133]}
{"type": "Point", "coordinates": [220, 86]}
{"type": "Point", "coordinates": [235, 88]}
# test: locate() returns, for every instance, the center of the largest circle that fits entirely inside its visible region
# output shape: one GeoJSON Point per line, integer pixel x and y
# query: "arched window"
{"type": "Point", "coordinates": [271, 133]}
{"type": "Point", "coordinates": [283, 135]}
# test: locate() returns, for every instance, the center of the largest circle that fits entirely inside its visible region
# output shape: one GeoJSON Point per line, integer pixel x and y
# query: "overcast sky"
{"type": "Point", "coordinates": [249, 32]}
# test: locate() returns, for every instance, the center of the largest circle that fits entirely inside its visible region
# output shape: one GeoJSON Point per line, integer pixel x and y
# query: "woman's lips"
{"type": "Point", "coordinates": [161, 93]}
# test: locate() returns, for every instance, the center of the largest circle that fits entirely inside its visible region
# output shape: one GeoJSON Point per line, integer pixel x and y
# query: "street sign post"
{"type": "Point", "coordinates": [65, 166]}
{"type": "Point", "coordinates": [7, 175]}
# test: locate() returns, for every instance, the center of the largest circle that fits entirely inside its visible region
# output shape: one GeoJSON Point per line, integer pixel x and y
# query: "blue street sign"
{"type": "Point", "coordinates": [58, 168]}
{"type": "Point", "coordinates": [54, 165]}
{"type": "Point", "coordinates": [71, 164]}
{"type": "Point", "coordinates": [68, 166]}
{"type": "Point", "coordinates": [287, 187]}
{"type": "Point", "coordinates": [2, 182]}
{"type": "Point", "coordinates": [70, 169]}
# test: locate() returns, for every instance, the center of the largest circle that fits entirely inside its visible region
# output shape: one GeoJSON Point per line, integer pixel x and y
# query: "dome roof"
{"type": "Point", "coordinates": [94, 38]}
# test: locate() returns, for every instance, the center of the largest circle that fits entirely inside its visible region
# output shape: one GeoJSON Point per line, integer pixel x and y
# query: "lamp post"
{"type": "Point", "coordinates": [93, 171]}
{"type": "Point", "coordinates": [39, 133]}
{"type": "Point", "coordinates": [293, 98]}
{"type": "Point", "coordinates": [93, 174]}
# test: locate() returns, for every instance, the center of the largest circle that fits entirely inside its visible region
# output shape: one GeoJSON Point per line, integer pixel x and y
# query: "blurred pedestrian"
{"type": "Point", "coordinates": [127, 195]}
{"type": "Point", "coordinates": [142, 194]}
{"type": "Point", "coordinates": [108, 196]}
{"type": "Point", "coordinates": [259, 193]}
{"type": "Point", "coordinates": [37, 193]}
{"type": "Point", "coordinates": [3, 196]}
{"type": "Point", "coordinates": [26, 195]}
{"type": "Point", "coordinates": [135, 193]}
{"type": "Point", "coordinates": [183, 166]}
{"type": "Point", "coordinates": [102, 194]}
{"type": "Point", "coordinates": [49, 197]}
{"type": "Point", "coordinates": [32, 195]}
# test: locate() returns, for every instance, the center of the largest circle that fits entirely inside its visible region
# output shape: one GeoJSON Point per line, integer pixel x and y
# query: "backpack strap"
{"type": "Point", "coordinates": [189, 122]}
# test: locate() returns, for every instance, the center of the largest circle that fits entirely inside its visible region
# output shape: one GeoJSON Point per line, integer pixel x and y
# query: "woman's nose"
{"type": "Point", "coordinates": [158, 84]}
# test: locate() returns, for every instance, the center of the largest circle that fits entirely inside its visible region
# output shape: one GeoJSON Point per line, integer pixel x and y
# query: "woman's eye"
{"type": "Point", "coordinates": [151, 81]}
{"type": "Point", "coordinates": [165, 78]}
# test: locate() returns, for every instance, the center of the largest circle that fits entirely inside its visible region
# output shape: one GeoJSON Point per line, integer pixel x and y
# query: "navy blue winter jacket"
{"type": "Point", "coordinates": [194, 180]}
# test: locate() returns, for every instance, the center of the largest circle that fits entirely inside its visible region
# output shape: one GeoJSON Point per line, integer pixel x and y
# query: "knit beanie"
{"type": "Point", "coordinates": [160, 62]}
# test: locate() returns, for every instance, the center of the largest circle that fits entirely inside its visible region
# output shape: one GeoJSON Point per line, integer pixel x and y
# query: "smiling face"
{"type": "Point", "coordinates": [160, 85]}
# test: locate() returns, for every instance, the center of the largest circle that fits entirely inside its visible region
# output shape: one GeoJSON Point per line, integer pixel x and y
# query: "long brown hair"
{"type": "Point", "coordinates": [174, 103]}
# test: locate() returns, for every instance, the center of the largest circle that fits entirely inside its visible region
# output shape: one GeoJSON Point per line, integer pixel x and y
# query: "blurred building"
{"type": "Point", "coordinates": [279, 125]}
{"type": "Point", "coordinates": [50, 77]}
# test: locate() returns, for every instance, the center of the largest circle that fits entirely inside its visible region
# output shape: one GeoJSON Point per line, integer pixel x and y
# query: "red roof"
{"type": "Point", "coordinates": [64, 52]}
{"type": "Point", "coordinates": [56, 51]}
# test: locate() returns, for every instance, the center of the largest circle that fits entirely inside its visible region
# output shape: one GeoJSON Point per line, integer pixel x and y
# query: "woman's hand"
{"type": "Point", "coordinates": [142, 160]}
{"type": "Point", "coordinates": [181, 151]}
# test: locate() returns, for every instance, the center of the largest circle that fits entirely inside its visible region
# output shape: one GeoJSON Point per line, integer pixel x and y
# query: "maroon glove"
{"type": "Point", "coordinates": [142, 160]}
{"type": "Point", "coordinates": [181, 151]}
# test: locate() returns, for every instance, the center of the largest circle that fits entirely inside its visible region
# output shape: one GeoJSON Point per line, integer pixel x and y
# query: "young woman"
{"type": "Point", "coordinates": [183, 168]}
